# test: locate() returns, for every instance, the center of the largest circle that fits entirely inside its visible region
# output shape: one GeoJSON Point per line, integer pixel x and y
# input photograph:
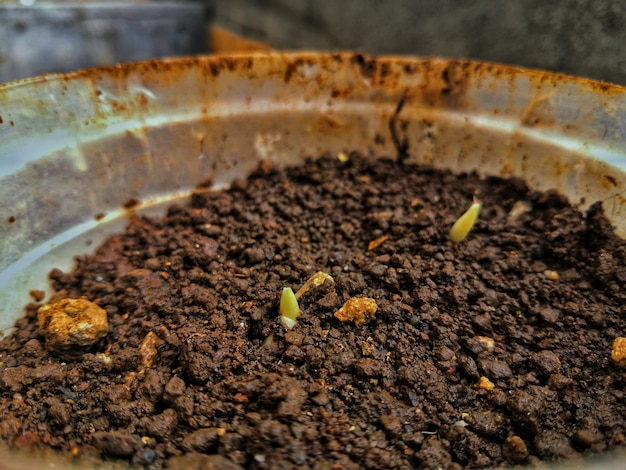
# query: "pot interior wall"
{"type": "Point", "coordinates": [77, 148]}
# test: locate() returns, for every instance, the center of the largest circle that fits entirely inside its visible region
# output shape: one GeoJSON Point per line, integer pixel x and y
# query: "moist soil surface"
{"type": "Point", "coordinates": [494, 351]}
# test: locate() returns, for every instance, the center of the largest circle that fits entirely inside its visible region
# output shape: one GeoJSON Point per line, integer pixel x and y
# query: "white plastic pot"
{"type": "Point", "coordinates": [75, 148]}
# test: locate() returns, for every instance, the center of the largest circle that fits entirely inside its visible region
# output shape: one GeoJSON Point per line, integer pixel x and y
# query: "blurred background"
{"type": "Point", "coordinates": [579, 37]}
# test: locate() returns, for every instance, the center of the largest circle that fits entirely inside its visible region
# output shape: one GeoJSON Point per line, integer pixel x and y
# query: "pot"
{"type": "Point", "coordinates": [81, 151]}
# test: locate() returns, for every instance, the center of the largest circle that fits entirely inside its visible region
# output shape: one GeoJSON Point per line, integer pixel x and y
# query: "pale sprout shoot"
{"type": "Point", "coordinates": [288, 323]}
{"type": "Point", "coordinates": [519, 209]}
{"type": "Point", "coordinates": [485, 384]}
{"type": "Point", "coordinates": [289, 309]}
{"type": "Point", "coordinates": [465, 223]}
{"type": "Point", "coordinates": [316, 280]}
{"type": "Point", "coordinates": [268, 341]}
{"type": "Point", "coordinates": [342, 157]}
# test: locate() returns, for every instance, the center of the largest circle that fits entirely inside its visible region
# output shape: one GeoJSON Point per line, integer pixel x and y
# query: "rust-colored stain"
{"type": "Point", "coordinates": [340, 92]}
{"type": "Point", "coordinates": [368, 66]}
{"type": "Point", "coordinates": [131, 204]}
{"type": "Point", "coordinates": [142, 100]}
{"type": "Point", "coordinates": [612, 181]}
{"type": "Point", "coordinates": [607, 182]}
{"type": "Point", "coordinates": [117, 106]}
{"type": "Point", "coordinates": [291, 68]}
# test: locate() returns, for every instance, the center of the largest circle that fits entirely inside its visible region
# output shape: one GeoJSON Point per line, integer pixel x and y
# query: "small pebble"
{"type": "Point", "coordinates": [377, 242]}
{"type": "Point", "coordinates": [151, 385]}
{"type": "Point", "coordinates": [37, 295]}
{"type": "Point", "coordinates": [584, 438]}
{"type": "Point", "coordinates": [153, 264]}
{"type": "Point", "coordinates": [148, 349]}
{"type": "Point", "coordinates": [145, 457]}
{"type": "Point", "coordinates": [293, 337]}
{"type": "Point", "coordinates": [559, 382]}
{"type": "Point", "coordinates": [483, 322]}
{"type": "Point", "coordinates": [115, 443]}
{"type": "Point", "coordinates": [391, 424]}
{"type": "Point", "coordinates": [367, 367]}
{"type": "Point", "coordinates": [514, 449]}
{"type": "Point", "coordinates": [254, 255]}
{"type": "Point", "coordinates": [488, 343]}
{"type": "Point", "coordinates": [162, 425]}
{"type": "Point", "coordinates": [174, 388]}
{"type": "Point", "coordinates": [488, 423]}
{"type": "Point", "coordinates": [485, 384]}
{"type": "Point", "coordinates": [321, 399]}
{"type": "Point", "coordinates": [549, 315]}
{"type": "Point", "coordinates": [547, 362]}
{"type": "Point", "coordinates": [495, 369]}
{"type": "Point", "coordinates": [202, 440]}
{"type": "Point", "coordinates": [552, 444]}
{"type": "Point", "coordinates": [551, 275]}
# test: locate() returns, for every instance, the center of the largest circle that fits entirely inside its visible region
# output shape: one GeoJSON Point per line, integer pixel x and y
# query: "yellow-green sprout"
{"type": "Point", "coordinates": [289, 309]}
{"type": "Point", "coordinates": [465, 223]}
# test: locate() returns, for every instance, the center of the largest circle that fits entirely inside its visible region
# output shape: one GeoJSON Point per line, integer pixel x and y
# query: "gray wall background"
{"type": "Point", "coordinates": [580, 37]}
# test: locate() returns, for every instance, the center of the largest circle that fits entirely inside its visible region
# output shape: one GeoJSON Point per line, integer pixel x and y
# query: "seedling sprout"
{"type": "Point", "coordinates": [465, 223]}
{"type": "Point", "coordinates": [289, 309]}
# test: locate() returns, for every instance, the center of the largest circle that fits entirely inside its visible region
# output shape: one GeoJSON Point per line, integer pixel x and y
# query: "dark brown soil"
{"type": "Point", "coordinates": [197, 369]}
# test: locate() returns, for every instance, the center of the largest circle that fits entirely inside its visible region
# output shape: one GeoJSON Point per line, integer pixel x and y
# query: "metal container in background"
{"type": "Point", "coordinates": [59, 37]}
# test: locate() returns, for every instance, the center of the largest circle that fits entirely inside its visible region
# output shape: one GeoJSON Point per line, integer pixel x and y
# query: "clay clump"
{"type": "Point", "coordinates": [357, 309]}
{"type": "Point", "coordinates": [72, 326]}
